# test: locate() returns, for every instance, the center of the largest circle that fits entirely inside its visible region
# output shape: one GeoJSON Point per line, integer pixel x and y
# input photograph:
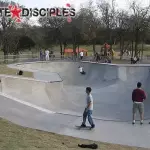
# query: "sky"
{"type": "Point", "coordinates": [75, 3]}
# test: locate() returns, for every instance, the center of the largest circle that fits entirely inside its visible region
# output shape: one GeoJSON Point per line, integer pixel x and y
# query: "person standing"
{"type": "Point", "coordinates": [135, 60]}
{"type": "Point", "coordinates": [89, 109]}
{"type": "Point", "coordinates": [138, 97]}
{"type": "Point", "coordinates": [81, 55]}
{"type": "Point", "coordinates": [47, 55]}
{"type": "Point", "coordinates": [41, 55]}
{"type": "Point", "coordinates": [97, 57]}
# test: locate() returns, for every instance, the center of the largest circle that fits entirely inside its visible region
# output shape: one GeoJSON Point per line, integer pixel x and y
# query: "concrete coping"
{"type": "Point", "coordinates": [26, 78]}
{"type": "Point", "coordinates": [121, 65]}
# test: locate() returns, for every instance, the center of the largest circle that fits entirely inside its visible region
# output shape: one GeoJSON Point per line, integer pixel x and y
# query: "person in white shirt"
{"type": "Point", "coordinates": [81, 55]}
{"type": "Point", "coordinates": [47, 55]}
{"type": "Point", "coordinates": [81, 70]}
{"type": "Point", "coordinates": [135, 60]}
{"type": "Point", "coordinates": [88, 109]}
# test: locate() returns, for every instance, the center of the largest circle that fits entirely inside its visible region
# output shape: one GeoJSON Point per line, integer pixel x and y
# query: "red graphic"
{"type": "Point", "coordinates": [68, 5]}
{"type": "Point", "coordinates": [15, 11]}
{"type": "Point", "coordinates": [69, 19]}
{"type": "Point", "coordinates": [55, 13]}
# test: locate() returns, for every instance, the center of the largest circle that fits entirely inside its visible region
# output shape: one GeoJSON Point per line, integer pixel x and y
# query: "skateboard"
{"type": "Point", "coordinates": [84, 128]}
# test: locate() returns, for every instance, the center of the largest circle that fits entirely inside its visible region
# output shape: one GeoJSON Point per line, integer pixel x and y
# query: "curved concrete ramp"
{"type": "Point", "coordinates": [112, 88]}
{"type": "Point", "coordinates": [69, 72]}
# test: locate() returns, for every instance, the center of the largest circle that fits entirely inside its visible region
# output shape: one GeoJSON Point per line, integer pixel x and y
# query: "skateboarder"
{"type": "Point", "coordinates": [89, 109]}
{"type": "Point", "coordinates": [81, 70]}
{"type": "Point", "coordinates": [138, 96]}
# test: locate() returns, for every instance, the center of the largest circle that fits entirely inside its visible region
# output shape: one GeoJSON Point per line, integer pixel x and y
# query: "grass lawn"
{"type": "Point", "coordinates": [118, 61]}
{"type": "Point", "coordinates": [14, 137]}
{"type": "Point", "coordinates": [56, 49]}
{"type": "Point", "coordinates": [9, 71]}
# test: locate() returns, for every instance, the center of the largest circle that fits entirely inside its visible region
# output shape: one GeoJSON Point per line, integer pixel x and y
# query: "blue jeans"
{"type": "Point", "coordinates": [88, 114]}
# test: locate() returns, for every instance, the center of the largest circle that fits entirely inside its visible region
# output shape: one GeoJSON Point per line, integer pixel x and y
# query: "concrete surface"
{"type": "Point", "coordinates": [113, 132]}
{"type": "Point", "coordinates": [46, 76]}
{"type": "Point", "coordinates": [112, 88]}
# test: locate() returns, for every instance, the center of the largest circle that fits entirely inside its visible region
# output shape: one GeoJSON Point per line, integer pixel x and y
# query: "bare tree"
{"type": "Point", "coordinates": [122, 27]}
{"type": "Point", "coordinates": [139, 21]}
{"type": "Point", "coordinates": [90, 23]}
{"type": "Point", "coordinates": [108, 17]}
{"type": "Point", "coordinates": [54, 26]}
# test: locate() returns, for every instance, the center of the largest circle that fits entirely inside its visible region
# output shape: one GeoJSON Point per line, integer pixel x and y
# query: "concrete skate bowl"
{"type": "Point", "coordinates": [112, 87]}
{"type": "Point", "coordinates": [70, 75]}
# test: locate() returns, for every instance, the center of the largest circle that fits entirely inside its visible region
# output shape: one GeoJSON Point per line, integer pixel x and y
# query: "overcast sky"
{"type": "Point", "coordinates": [76, 3]}
{"type": "Point", "coordinates": [51, 3]}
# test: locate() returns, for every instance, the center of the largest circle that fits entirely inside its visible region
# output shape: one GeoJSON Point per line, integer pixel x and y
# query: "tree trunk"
{"type": "Point", "coordinates": [132, 49]}
{"type": "Point", "coordinates": [120, 44]}
{"type": "Point", "coordinates": [5, 53]}
{"type": "Point", "coordinates": [61, 49]}
{"type": "Point", "coordinates": [115, 41]}
{"type": "Point", "coordinates": [94, 46]}
{"type": "Point", "coordinates": [142, 50]}
{"type": "Point", "coordinates": [78, 50]}
{"type": "Point", "coordinates": [5, 57]}
{"type": "Point", "coordinates": [122, 47]}
{"type": "Point", "coordinates": [74, 48]}
{"type": "Point", "coordinates": [16, 55]}
{"type": "Point", "coordinates": [74, 52]}
{"type": "Point", "coordinates": [65, 45]}
{"type": "Point", "coordinates": [111, 51]}
{"type": "Point", "coordinates": [111, 44]}
{"type": "Point", "coordinates": [4, 41]}
{"type": "Point", "coordinates": [136, 41]}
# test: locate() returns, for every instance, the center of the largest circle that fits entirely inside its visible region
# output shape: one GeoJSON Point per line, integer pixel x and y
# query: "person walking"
{"type": "Point", "coordinates": [47, 55]}
{"type": "Point", "coordinates": [89, 109]}
{"type": "Point", "coordinates": [81, 55]}
{"type": "Point", "coordinates": [41, 55]}
{"type": "Point", "coordinates": [138, 97]}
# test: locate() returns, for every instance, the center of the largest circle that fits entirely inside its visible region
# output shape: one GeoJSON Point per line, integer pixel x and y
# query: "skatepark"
{"type": "Point", "coordinates": [54, 101]}
{"type": "Point", "coordinates": [112, 88]}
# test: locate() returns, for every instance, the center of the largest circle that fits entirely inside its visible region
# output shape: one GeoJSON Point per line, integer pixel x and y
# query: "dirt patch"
{"type": "Point", "coordinates": [9, 71]}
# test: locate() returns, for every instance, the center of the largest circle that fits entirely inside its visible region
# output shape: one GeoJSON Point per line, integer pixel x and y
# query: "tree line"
{"type": "Point", "coordinates": [93, 24]}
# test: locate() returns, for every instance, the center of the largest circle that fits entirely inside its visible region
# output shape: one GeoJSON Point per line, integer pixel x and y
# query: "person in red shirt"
{"type": "Point", "coordinates": [138, 97]}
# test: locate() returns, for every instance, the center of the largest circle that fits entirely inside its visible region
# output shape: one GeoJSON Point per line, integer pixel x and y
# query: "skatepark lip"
{"type": "Point", "coordinates": [109, 64]}
{"type": "Point", "coordinates": [26, 78]}
{"type": "Point", "coordinates": [110, 88]}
